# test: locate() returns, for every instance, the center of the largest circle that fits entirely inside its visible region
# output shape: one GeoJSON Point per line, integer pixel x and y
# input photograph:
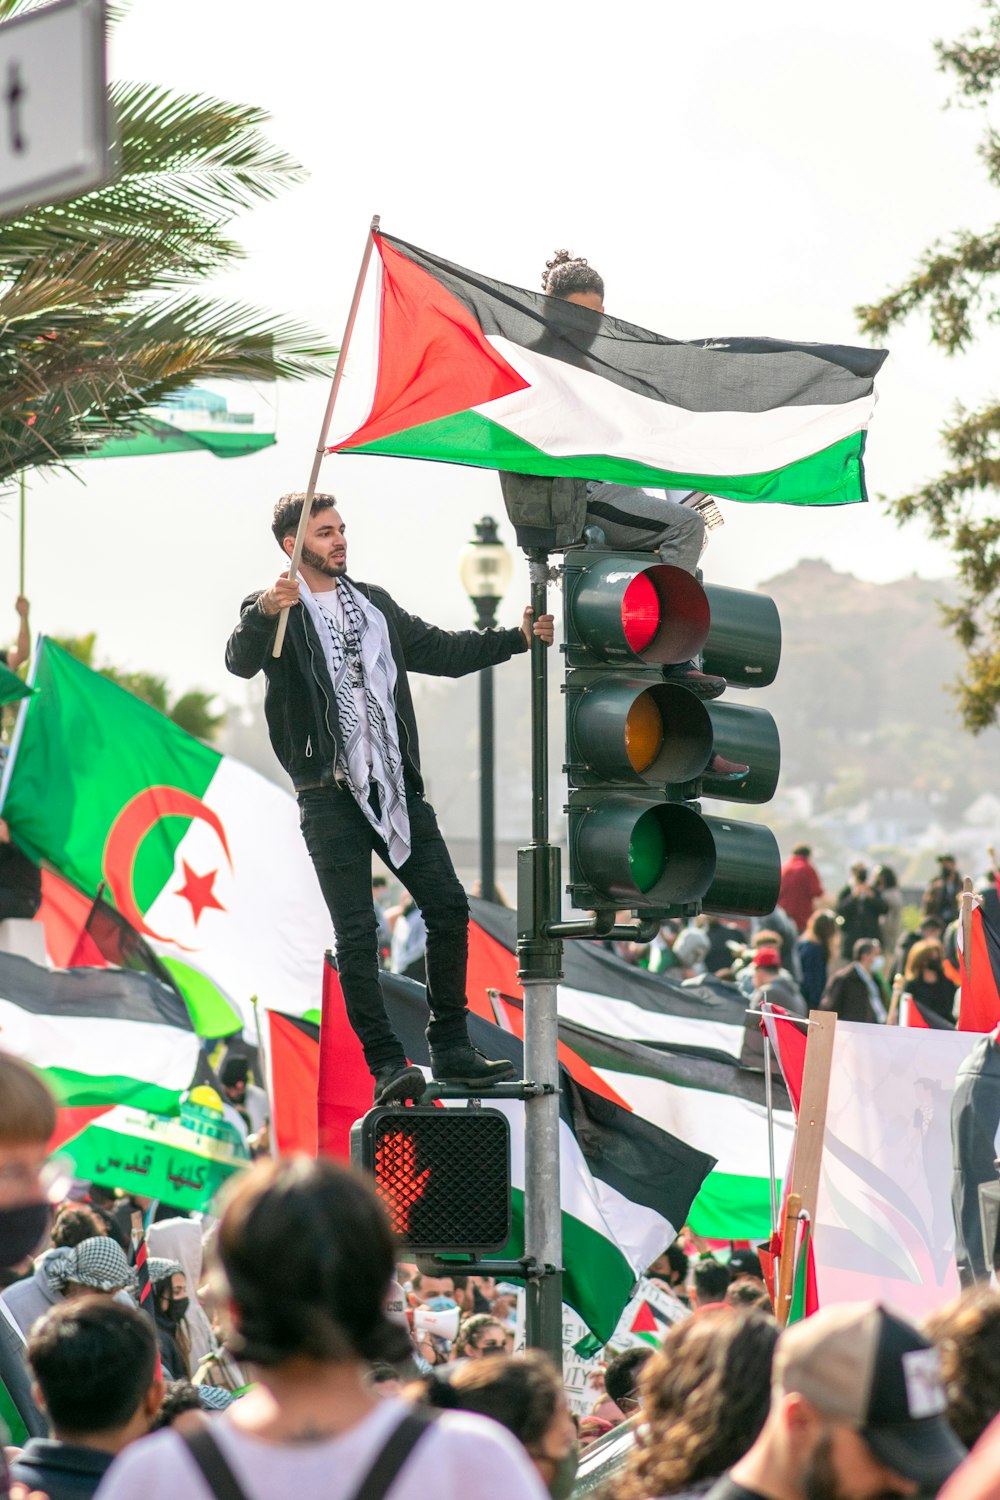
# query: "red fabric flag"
{"type": "Point", "coordinates": [294, 1067]}
{"type": "Point", "coordinates": [345, 1084]}
{"type": "Point", "coordinates": [980, 1004]}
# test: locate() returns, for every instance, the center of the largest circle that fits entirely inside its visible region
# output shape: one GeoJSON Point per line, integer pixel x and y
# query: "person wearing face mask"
{"type": "Point", "coordinates": [854, 993]}
{"type": "Point", "coordinates": [924, 978]}
{"type": "Point", "coordinates": [170, 1305]}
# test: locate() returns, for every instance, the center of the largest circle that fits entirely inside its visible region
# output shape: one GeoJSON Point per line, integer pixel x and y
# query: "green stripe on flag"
{"type": "Point", "coordinates": [831, 477]}
{"type": "Point", "coordinates": [11, 686]}
{"type": "Point", "coordinates": [81, 1090]}
{"type": "Point", "coordinates": [732, 1208]}
{"type": "Point", "coordinates": [597, 1280]}
{"type": "Point", "coordinates": [163, 438]}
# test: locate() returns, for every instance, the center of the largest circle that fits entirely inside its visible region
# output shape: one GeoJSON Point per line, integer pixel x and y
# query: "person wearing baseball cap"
{"type": "Point", "coordinates": [857, 1413]}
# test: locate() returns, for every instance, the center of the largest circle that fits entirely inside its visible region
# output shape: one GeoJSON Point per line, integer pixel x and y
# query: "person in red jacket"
{"type": "Point", "coordinates": [801, 886]}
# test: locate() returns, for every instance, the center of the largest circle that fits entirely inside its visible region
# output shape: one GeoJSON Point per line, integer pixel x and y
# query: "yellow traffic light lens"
{"type": "Point", "coordinates": [643, 732]}
{"type": "Point", "coordinates": [647, 851]}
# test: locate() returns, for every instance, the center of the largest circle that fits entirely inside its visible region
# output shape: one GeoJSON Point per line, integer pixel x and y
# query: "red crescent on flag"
{"type": "Point", "coordinates": [128, 830]}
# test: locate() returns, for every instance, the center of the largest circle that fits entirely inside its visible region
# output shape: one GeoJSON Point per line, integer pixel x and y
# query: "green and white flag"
{"type": "Point", "coordinates": [200, 854]}
{"type": "Point", "coordinates": [470, 370]}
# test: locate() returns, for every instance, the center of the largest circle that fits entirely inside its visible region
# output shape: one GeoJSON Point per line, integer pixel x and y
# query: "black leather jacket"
{"type": "Point", "coordinates": [298, 701]}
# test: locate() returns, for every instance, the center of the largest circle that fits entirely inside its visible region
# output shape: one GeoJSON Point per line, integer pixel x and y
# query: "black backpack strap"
{"type": "Point", "coordinates": [398, 1447]}
{"type": "Point", "coordinates": [213, 1463]}
{"type": "Point", "coordinates": [374, 1486]}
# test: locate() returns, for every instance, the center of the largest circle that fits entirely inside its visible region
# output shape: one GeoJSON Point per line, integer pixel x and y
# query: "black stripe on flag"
{"type": "Point", "coordinates": [645, 1164]}
{"type": "Point", "coordinates": [98, 994]}
{"type": "Point", "coordinates": [717, 374]}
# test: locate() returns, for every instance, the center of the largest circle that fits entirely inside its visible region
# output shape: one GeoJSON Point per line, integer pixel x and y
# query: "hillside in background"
{"type": "Point", "coordinates": [874, 760]}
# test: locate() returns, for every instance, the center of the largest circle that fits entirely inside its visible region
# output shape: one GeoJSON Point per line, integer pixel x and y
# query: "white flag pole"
{"type": "Point", "coordinates": [300, 534]}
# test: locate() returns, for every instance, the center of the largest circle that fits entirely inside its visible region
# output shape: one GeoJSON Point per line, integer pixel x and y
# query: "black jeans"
{"type": "Point", "coordinates": [340, 841]}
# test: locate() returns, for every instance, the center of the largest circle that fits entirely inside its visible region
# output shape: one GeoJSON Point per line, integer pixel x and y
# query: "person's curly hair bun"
{"type": "Point", "coordinates": [566, 273]}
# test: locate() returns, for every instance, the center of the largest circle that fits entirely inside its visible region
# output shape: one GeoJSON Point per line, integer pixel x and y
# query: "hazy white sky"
{"type": "Point", "coordinates": [729, 168]}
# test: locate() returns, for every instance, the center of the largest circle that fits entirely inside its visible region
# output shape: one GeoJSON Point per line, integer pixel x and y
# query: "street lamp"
{"type": "Point", "coordinates": [486, 570]}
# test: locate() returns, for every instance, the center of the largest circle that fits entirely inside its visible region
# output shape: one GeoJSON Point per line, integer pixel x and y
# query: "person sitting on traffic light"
{"type": "Point", "coordinates": [670, 522]}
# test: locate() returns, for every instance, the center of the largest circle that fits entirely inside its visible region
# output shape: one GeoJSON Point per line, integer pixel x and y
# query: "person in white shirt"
{"type": "Point", "coordinates": [308, 1259]}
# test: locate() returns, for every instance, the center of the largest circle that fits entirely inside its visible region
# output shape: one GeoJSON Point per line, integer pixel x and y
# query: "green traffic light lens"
{"type": "Point", "coordinates": [647, 851]}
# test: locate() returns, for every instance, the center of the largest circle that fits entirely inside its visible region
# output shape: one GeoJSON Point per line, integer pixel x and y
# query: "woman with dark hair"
{"type": "Point", "coordinates": [705, 1395]}
{"type": "Point", "coordinates": [924, 978]}
{"type": "Point", "coordinates": [817, 949]}
{"type": "Point", "coordinates": [524, 1394]}
{"type": "Point", "coordinates": [307, 1257]}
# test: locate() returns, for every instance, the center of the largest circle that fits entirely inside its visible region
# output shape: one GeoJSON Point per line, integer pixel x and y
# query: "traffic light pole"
{"type": "Point", "coordinates": [539, 958]}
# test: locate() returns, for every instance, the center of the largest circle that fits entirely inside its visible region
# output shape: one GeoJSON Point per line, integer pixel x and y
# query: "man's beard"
{"type": "Point", "coordinates": [821, 1480]}
{"type": "Point", "coordinates": [324, 565]}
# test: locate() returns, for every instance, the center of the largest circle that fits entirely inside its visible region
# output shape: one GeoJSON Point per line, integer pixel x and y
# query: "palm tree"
{"type": "Point", "coordinates": [97, 316]}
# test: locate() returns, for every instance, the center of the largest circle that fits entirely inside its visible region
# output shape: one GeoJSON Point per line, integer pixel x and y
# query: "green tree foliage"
{"type": "Point", "coordinates": [97, 316]}
{"type": "Point", "coordinates": [956, 286]}
{"type": "Point", "coordinates": [192, 710]}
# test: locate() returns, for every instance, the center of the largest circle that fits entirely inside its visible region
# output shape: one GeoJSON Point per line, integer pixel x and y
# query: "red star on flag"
{"type": "Point", "coordinates": [198, 890]}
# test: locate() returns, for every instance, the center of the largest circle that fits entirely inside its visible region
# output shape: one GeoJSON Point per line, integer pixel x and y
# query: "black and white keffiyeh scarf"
{"type": "Point", "coordinates": [359, 656]}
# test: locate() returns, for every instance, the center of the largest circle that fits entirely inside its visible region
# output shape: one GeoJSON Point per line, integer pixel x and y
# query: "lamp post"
{"type": "Point", "coordinates": [486, 570]}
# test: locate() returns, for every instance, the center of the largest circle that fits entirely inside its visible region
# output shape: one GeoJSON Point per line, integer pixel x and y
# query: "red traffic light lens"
{"type": "Point", "coordinates": [640, 613]}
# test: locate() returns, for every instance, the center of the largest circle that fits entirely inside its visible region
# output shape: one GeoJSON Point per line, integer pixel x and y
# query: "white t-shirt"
{"type": "Point", "coordinates": [462, 1457]}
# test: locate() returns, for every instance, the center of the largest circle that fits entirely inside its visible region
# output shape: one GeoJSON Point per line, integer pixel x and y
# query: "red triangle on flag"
{"type": "Point", "coordinates": [433, 358]}
{"type": "Point", "coordinates": [644, 1320]}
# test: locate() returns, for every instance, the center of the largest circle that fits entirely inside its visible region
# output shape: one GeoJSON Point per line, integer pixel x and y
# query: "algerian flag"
{"type": "Point", "coordinates": [669, 1053]}
{"type": "Point", "coordinates": [201, 855]}
{"type": "Point", "coordinates": [472, 371]}
{"type": "Point", "coordinates": [99, 1036]}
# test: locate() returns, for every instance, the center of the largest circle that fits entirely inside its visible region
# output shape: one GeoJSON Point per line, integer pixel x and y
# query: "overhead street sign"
{"type": "Point", "coordinates": [54, 115]}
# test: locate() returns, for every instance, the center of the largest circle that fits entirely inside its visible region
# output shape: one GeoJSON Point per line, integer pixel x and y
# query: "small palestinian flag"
{"type": "Point", "coordinates": [472, 371]}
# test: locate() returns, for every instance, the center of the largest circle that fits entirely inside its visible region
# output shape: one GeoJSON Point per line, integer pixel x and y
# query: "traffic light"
{"type": "Point", "coordinates": [442, 1174]}
{"type": "Point", "coordinates": [639, 746]}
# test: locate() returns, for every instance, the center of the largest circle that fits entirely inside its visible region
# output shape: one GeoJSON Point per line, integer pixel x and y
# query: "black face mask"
{"type": "Point", "coordinates": [21, 1231]}
{"type": "Point", "coordinates": [177, 1309]}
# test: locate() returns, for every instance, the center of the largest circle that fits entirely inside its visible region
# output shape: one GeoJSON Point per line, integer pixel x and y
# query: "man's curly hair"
{"type": "Point", "coordinates": [705, 1396]}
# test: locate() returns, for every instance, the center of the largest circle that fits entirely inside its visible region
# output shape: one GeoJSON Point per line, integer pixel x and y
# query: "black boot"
{"type": "Point", "coordinates": [465, 1064]}
{"type": "Point", "coordinates": [702, 684]}
{"type": "Point", "coordinates": [397, 1082]}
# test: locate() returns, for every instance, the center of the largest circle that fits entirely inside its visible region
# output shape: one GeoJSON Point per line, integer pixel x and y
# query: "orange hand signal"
{"type": "Point", "coordinates": [396, 1180]}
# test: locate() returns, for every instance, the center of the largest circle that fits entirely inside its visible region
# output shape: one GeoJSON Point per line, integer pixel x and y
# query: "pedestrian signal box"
{"type": "Point", "coordinates": [442, 1174]}
{"type": "Point", "coordinates": [640, 747]}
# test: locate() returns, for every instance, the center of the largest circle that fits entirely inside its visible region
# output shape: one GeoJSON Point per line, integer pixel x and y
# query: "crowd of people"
{"type": "Point", "coordinates": [304, 1358]}
{"type": "Point", "coordinates": [848, 951]}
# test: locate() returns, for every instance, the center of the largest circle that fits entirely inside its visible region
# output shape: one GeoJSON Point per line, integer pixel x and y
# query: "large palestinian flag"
{"type": "Point", "coordinates": [674, 1055]}
{"type": "Point", "coordinates": [202, 856]}
{"type": "Point", "coordinates": [472, 371]}
{"type": "Point", "coordinates": [626, 1184]}
{"type": "Point", "coordinates": [979, 1007]}
{"type": "Point", "coordinates": [100, 1037]}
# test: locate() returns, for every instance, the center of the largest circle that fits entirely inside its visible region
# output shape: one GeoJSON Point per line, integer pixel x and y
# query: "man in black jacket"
{"type": "Point", "coordinates": [341, 721]}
